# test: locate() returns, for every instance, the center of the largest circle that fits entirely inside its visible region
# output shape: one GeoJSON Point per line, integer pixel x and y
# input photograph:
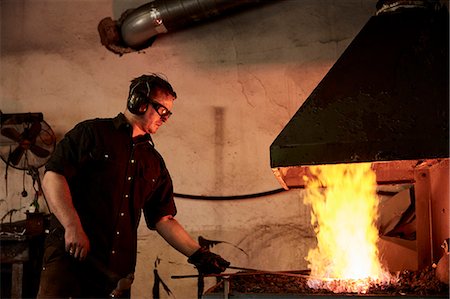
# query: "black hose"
{"type": "Point", "coordinates": [245, 196]}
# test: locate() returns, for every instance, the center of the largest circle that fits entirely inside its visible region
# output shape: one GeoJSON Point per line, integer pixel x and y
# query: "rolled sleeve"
{"type": "Point", "coordinates": [161, 203]}
{"type": "Point", "coordinates": [71, 151]}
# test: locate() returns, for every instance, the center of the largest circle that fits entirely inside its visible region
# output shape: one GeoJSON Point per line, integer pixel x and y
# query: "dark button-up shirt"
{"type": "Point", "coordinates": [112, 177]}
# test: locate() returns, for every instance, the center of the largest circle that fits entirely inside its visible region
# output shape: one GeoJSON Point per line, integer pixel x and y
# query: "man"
{"type": "Point", "coordinates": [101, 175]}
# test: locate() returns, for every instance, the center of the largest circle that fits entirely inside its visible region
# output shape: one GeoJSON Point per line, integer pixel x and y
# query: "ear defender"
{"type": "Point", "coordinates": [138, 101]}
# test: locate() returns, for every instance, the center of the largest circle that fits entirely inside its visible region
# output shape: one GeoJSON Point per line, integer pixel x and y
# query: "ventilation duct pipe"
{"type": "Point", "coordinates": [161, 16]}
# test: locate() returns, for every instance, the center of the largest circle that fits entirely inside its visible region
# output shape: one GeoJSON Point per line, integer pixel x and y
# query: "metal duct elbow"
{"type": "Point", "coordinates": [160, 16]}
{"type": "Point", "coordinates": [142, 24]}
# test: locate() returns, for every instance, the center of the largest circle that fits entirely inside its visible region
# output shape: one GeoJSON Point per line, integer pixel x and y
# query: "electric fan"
{"type": "Point", "coordinates": [26, 140]}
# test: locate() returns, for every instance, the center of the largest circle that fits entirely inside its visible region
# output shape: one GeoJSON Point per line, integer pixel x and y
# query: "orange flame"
{"type": "Point", "coordinates": [344, 210]}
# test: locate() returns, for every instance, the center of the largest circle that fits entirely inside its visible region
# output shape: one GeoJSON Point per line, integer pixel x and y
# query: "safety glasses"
{"type": "Point", "coordinates": [161, 109]}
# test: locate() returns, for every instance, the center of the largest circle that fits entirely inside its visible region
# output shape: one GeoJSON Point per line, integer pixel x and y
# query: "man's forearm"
{"type": "Point", "coordinates": [171, 230]}
{"type": "Point", "coordinates": [58, 195]}
{"type": "Point", "coordinates": [59, 198]}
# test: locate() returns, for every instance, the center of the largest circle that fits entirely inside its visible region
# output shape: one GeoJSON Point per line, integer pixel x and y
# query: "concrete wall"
{"type": "Point", "coordinates": [239, 80]}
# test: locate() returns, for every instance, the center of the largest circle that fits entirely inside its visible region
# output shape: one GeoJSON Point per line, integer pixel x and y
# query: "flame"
{"type": "Point", "coordinates": [344, 209]}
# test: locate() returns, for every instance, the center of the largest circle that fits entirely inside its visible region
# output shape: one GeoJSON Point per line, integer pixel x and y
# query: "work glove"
{"type": "Point", "coordinates": [207, 262]}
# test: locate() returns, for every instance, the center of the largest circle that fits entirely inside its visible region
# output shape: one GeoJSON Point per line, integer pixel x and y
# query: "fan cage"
{"type": "Point", "coordinates": [16, 144]}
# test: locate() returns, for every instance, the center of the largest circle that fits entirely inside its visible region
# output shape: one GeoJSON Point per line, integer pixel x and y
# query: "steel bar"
{"type": "Point", "coordinates": [248, 271]}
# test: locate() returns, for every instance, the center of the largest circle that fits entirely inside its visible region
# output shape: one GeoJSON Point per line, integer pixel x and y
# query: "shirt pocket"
{"type": "Point", "coordinates": [102, 160]}
{"type": "Point", "coordinates": [100, 156]}
{"type": "Point", "coordinates": [105, 168]}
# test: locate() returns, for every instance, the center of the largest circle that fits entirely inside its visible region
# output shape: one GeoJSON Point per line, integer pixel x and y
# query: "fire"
{"type": "Point", "coordinates": [344, 209]}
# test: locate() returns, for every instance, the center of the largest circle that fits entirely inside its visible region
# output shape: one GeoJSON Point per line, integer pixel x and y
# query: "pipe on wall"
{"type": "Point", "coordinates": [161, 16]}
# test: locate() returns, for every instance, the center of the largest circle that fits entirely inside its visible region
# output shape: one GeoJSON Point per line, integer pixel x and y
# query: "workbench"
{"type": "Point", "coordinates": [21, 259]}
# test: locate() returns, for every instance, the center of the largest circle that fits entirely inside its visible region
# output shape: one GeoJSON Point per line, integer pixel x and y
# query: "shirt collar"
{"type": "Point", "coordinates": [143, 138]}
{"type": "Point", "coordinates": [121, 121]}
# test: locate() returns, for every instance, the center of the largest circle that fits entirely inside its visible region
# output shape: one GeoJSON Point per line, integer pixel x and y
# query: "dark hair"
{"type": "Point", "coordinates": [149, 84]}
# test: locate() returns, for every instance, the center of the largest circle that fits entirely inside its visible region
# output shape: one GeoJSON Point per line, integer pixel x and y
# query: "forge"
{"type": "Point", "coordinates": [385, 104]}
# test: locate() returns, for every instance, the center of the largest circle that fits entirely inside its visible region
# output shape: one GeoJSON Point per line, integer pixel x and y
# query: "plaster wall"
{"type": "Point", "coordinates": [239, 80]}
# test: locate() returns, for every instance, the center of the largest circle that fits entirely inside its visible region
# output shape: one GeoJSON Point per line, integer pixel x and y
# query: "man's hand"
{"type": "Point", "coordinates": [59, 198]}
{"type": "Point", "coordinates": [207, 262]}
{"type": "Point", "coordinates": [77, 243]}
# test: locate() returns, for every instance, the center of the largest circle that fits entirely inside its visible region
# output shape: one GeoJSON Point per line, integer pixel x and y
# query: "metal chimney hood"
{"type": "Point", "coordinates": [385, 99]}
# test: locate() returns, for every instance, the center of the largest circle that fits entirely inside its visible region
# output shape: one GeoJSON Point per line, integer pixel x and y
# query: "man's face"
{"type": "Point", "coordinates": [152, 120]}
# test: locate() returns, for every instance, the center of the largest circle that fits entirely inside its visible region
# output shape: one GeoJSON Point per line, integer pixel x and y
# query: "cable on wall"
{"type": "Point", "coordinates": [232, 197]}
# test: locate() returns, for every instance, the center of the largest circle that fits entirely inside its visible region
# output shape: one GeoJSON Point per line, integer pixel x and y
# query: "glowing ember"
{"type": "Point", "coordinates": [344, 210]}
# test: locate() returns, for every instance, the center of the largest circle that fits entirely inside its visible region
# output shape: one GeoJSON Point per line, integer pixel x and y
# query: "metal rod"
{"type": "Point", "coordinates": [249, 271]}
{"type": "Point", "coordinates": [257, 271]}
{"type": "Point", "coordinates": [244, 269]}
{"type": "Point", "coordinates": [226, 288]}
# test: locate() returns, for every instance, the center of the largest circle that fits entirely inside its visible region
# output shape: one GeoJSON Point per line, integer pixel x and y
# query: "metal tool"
{"type": "Point", "coordinates": [122, 285]}
{"type": "Point", "coordinates": [259, 271]}
{"type": "Point", "coordinates": [245, 269]}
{"type": "Point", "coordinates": [249, 271]}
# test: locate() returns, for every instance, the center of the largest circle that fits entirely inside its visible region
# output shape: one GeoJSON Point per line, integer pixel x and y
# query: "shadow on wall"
{"type": "Point", "coordinates": [278, 246]}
